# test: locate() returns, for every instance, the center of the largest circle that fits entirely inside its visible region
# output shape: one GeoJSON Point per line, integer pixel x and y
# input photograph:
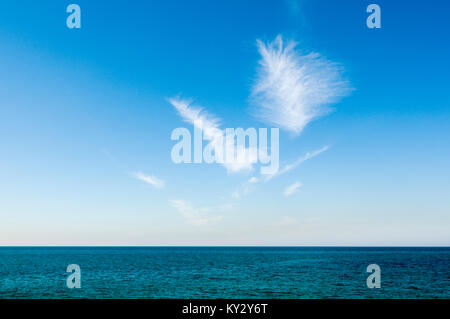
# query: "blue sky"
{"type": "Point", "coordinates": [85, 113]}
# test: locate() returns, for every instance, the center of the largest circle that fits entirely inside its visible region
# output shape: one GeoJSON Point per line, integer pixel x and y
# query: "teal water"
{"type": "Point", "coordinates": [224, 272]}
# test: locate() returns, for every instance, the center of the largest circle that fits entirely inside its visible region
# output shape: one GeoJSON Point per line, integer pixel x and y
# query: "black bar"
{"type": "Point", "coordinates": [228, 308]}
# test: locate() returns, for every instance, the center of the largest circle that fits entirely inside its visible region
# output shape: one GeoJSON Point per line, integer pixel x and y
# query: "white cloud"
{"type": "Point", "coordinates": [196, 115]}
{"type": "Point", "coordinates": [300, 160]}
{"type": "Point", "coordinates": [212, 132]}
{"type": "Point", "coordinates": [291, 189]}
{"type": "Point", "coordinates": [152, 180]}
{"type": "Point", "coordinates": [292, 88]}
{"type": "Point", "coordinates": [195, 216]}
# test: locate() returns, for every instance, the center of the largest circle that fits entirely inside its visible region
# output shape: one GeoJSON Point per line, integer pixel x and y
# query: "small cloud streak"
{"type": "Point", "coordinates": [245, 188]}
{"type": "Point", "coordinates": [248, 186]}
{"type": "Point", "coordinates": [195, 216]}
{"type": "Point", "coordinates": [152, 180]}
{"type": "Point", "coordinates": [292, 88]}
{"type": "Point", "coordinates": [299, 161]}
{"type": "Point", "coordinates": [291, 189]}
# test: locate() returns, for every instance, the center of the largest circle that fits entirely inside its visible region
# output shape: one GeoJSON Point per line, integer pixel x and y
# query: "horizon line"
{"type": "Point", "coordinates": [225, 246]}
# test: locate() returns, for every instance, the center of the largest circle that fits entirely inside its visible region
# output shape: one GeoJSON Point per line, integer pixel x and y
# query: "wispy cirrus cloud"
{"type": "Point", "coordinates": [291, 189]}
{"type": "Point", "coordinates": [293, 88]}
{"type": "Point", "coordinates": [196, 115]}
{"type": "Point", "coordinates": [195, 216]}
{"type": "Point", "coordinates": [209, 124]}
{"type": "Point", "coordinates": [152, 180]}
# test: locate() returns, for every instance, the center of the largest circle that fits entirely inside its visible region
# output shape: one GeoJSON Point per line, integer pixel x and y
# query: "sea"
{"type": "Point", "coordinates": [225, 272]}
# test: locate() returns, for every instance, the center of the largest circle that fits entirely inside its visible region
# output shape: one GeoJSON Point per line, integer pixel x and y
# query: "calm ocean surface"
{"type": "Point", "coordinates": [224, 272]}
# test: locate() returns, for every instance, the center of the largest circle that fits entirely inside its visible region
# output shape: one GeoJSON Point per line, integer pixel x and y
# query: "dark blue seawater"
{"type": "Point", "coordinates": [224, 272]}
